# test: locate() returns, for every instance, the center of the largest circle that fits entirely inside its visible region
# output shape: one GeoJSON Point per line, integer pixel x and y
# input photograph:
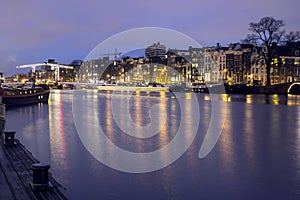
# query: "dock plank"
{"type": "Point", "coordinates": [5, 192]}
{"type": "Point", "coordinates": [16, 176]}
{"type": "Point", "coordinates": [15, 184]}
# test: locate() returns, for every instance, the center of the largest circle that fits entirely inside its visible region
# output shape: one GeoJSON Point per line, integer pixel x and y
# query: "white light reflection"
{"type": "Point", "coordinates": [249, 132]}
{"type": "Point", "coordinates": [226, 140]}
{"type": "Point", "coordinates": [58, 148]}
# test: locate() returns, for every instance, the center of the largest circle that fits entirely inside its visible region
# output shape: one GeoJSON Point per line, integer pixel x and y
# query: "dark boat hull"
{"type": "Point", "coordinates": [17, 100]}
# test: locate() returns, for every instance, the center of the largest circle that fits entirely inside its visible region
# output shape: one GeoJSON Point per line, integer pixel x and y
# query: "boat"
{"type": "Point", "coordinates": [200, 87]}
{"type": "Point", "coordinates": [24, 95]}
{"type": "Point", "coordinates": [182, 87]}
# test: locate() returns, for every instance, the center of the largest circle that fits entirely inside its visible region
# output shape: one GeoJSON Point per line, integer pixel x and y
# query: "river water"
{"type": "Point", "coordinates": [256, 157]}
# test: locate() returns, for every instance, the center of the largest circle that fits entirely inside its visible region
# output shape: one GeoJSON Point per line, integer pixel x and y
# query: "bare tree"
{"type": "Point", "coordinates": [267, 33]}
{"type": "Point", "coordinates": [292, 36]}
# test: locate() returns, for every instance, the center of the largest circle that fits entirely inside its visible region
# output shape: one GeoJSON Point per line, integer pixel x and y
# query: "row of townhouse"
{"type": "Point", "coordinates": [214, 64]}
{"type": "Point", "coordinates": [235, 64]}
{"type": "Point", "coordinates": [244, 64]}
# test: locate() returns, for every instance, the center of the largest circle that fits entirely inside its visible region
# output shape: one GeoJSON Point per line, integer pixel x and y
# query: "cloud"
{"type": "Point", "coordinates": [8, 60]}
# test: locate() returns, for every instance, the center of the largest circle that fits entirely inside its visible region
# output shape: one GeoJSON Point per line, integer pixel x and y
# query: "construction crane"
{"type": "Point", "coordinates": [54, 66]}
{"type": "Point", "coordinates": [115, 54]}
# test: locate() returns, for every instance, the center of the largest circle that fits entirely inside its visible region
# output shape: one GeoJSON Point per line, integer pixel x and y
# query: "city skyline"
{"type": "Point", "coordinates": [33, 31]}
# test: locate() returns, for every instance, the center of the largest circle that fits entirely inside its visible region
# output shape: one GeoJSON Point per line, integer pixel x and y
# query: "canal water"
{"type": "Point", "coordinates": [256, 157]}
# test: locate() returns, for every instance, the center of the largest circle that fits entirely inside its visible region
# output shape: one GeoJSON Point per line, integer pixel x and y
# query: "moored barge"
{"type": "Point", "coordinates": [24, 95]}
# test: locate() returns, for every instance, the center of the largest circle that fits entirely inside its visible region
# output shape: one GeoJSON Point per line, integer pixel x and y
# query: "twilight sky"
{"type": "Point", "coordinates": [34, 30]}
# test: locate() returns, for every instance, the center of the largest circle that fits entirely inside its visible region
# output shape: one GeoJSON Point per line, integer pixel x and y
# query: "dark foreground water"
{"type": "Point", "coordinates": [256, 157]}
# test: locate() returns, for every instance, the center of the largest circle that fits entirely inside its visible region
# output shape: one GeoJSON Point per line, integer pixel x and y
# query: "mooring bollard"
{"type": "Point", "coordinates": [40, 176]}
{"type": "Point", "coordinates": [9, 137]}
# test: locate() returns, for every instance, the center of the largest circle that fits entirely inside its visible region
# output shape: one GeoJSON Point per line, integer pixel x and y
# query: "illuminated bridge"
{"type": "Point", "coordinates": [285, 88]}
{"type": "Point", "coordinates": [294, 88]}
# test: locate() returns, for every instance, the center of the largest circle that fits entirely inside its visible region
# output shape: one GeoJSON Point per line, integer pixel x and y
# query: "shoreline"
{"type": "Point", "coordinates": [280, 89]}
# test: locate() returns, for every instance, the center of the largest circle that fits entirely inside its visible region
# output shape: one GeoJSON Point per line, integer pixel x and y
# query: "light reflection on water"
{"type": "Point", "coordinates": [257, 156]}
{"type": "Point", "coordinates": [227, 151]}
{"type": "Point", "coordinates": [249, 131]}
{"type": "Point", "coordinates": [274, 99]}
{"type": "Point", "coordinates": [56, 131]}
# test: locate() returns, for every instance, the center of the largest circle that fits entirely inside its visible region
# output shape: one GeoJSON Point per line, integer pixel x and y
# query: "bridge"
{"type": "Point", "coordinates": [285, 88]}
{"type": "Point", "coordinates": [294, 88]}
{"type": "Point", "coordinates": [54, 66]}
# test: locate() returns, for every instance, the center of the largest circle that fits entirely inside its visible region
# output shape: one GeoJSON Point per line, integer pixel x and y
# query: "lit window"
{"type": "Point", "coordinates": [274, 61]}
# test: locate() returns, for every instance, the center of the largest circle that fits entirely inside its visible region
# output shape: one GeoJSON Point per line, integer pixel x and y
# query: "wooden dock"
{"type": "Point", "coordinates": [16, 176]}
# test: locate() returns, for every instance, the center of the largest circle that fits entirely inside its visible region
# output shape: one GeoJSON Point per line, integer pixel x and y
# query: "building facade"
{"type": "Point", "coordinates": [235, 64]}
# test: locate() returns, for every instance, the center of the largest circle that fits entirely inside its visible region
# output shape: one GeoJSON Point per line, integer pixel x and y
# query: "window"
{"type": "Point", "coordinates": [274, 61]}
{"type": "Point", "coordinates": [262, 62]}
